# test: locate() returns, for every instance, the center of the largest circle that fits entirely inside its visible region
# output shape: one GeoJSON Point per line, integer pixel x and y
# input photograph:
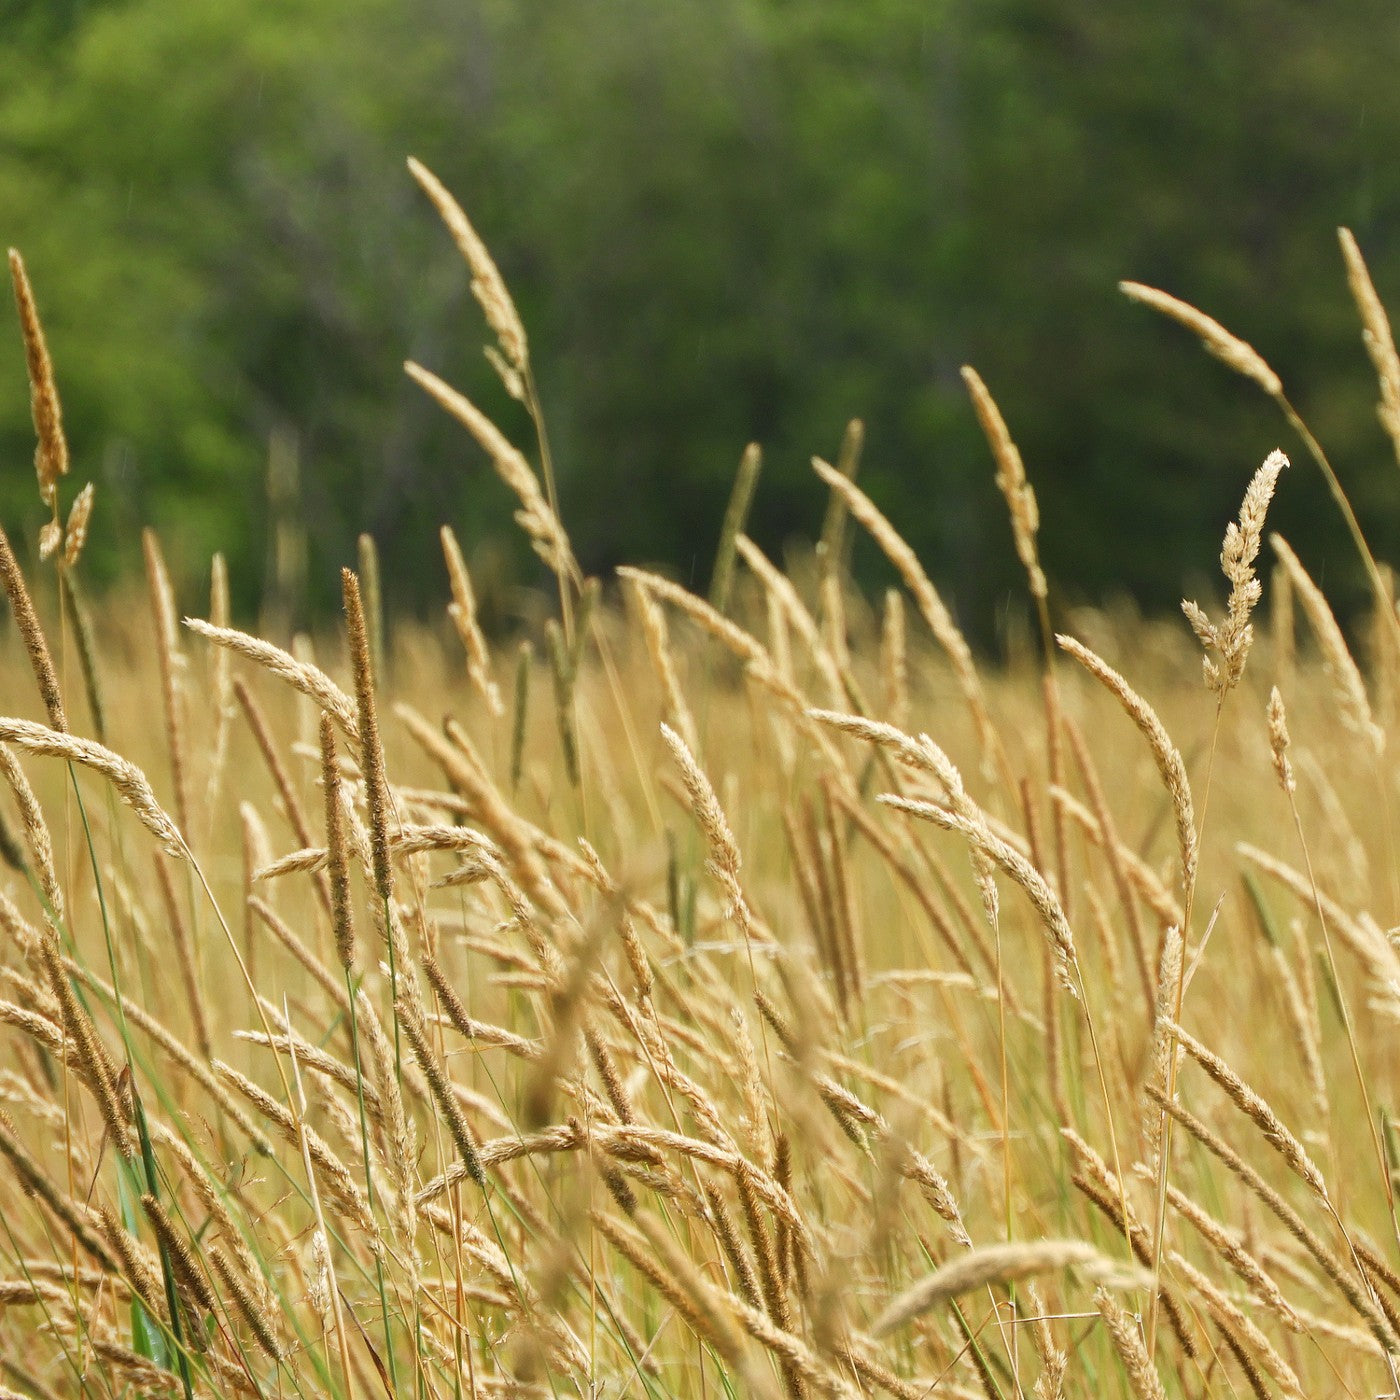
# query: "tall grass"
{"type": "Point", "coordinates": [728, 997]}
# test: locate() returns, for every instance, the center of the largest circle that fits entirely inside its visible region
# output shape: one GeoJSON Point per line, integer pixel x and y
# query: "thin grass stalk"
{"type": "Point", "coordinates": [291, 804]}
{"type": "Point", "coordinates": [186, 955]}
{"type": "Point", "coordinates": [76, 609]}
{"type": "Point", "coordinates": [35, 645]}
{"type": "Point", "coordinates": [171, 667]}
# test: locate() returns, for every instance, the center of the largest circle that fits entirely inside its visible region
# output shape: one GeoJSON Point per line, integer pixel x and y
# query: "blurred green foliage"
{"type": "Point", "coordinates": [723, 221]}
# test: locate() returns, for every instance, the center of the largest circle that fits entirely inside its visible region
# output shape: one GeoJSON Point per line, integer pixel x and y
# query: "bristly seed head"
{"type": "Point", "coordinates": [371, 749]}
{"type": "Point", "coordinates": [1279, 741]}
{"type": "Point", "coordinates": [51, 455]}
{"type": "Point", "coordinates": [1232, 638]}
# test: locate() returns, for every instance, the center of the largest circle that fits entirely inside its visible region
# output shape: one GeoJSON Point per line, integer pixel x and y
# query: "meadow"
{"type": "Point", "coordinates": [748, 994]}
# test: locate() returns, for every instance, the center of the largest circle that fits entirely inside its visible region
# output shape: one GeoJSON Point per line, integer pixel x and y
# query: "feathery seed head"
{"type": "Point", "coordinates": [1279, 741]}
{"type": "Point", "coordinates": [488, 286]}
{"type": "Point", "coordinates": [1232, 638]}
{"type": "Point", "coordinates": [79, 518]}
{"type": "Point", "coordinates": [51, 455]}
{"type": "Point", "coordinates": [1240, 356]}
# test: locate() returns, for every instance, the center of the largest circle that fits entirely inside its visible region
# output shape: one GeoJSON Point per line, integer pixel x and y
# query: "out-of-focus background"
{"type": "Point", "coordinates": [723, 220]}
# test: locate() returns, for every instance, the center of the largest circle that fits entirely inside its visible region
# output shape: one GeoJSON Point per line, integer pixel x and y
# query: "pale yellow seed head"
{"type": "Point", "coordinates": [51, 455]}
{"type": "Point", "coordinates": [1241, 357]}
{"type": "Point", "coordinates": [1279, 741]}
{"type": "Point", "coordinates": [488, 286]}
{"type": "Point", "coordinates": [1375, 335]}
{"type": "Point", "coordinates": [79, 519]}
{"type": "Point", "coordinates": [1232, 638]}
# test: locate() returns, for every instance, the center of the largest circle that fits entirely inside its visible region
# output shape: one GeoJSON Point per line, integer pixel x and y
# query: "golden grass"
{"type": "Point", "coordinates": [762, 998]}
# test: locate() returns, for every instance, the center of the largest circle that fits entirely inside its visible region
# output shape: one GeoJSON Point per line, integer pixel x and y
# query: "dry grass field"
{"type": "Point", "coordinates": [743, 996]}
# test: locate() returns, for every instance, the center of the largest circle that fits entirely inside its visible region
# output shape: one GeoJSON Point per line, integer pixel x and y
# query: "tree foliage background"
{"type": "Point", "coordinates": [723, 220]}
